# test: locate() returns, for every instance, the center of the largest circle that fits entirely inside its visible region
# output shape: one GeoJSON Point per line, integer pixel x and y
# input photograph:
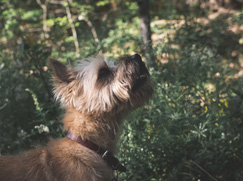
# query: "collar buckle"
{"type": "Point", "coordinates": [113, 161]}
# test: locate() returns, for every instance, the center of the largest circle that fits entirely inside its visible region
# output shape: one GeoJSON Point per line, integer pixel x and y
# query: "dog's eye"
{"type": "Point", "coordinates": [104, 73]}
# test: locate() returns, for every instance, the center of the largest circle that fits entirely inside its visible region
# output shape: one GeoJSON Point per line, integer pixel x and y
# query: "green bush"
{"type": "Point", "coordinates": [191, 128]}
{"type": "Point", "coordinates": [28, 112]}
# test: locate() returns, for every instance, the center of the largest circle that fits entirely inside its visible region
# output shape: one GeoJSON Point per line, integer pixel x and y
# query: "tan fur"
{"type": "Point", "coordinates": [95, 105]}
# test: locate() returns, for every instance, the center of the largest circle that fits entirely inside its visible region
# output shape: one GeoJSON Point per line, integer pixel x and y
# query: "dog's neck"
{"type": "Point", "coordinates": [106, 155]}
{"type": "Point", "coordinates": [102, 131]}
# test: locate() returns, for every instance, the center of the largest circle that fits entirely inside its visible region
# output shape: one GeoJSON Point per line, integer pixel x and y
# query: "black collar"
{"type": "Point", "coordinates": [105, 154]}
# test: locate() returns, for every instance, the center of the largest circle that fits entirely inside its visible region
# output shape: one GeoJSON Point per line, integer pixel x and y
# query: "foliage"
{"type": "Point", "coordinates": [22, 111]}
{"type": "Point", "coordinates": [191, 128]}
{"type": "Point", "coordinates": [185, 123]}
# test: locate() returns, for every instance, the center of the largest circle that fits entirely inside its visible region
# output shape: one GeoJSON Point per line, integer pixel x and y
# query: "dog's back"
{"type": "Point", "coordinates": [62, 159]}
{"type": "Point", "coordinates": [27, 166]}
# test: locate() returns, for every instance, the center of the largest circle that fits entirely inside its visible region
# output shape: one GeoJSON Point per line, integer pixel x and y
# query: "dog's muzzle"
{"type": "Point", "coordinates": [143, 72]}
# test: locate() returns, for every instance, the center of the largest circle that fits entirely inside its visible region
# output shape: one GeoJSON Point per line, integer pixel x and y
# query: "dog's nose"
{"type": "Point", "coordinates": [136, 57]}
{"type": "Point", "coordinates": [138, 61]}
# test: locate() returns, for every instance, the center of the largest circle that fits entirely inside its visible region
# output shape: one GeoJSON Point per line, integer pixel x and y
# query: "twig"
{"type": "Point", "coordinates": [70, 21]}
{"type": "Point", "coordinates": [74, 32]}
{"type": "Point", "coordinates": [203, 170]}
{"type": "Point", "coordinates": [57, 2]}
{"type": "Point", "coordinates": [44, 16]}
{"type": "Point", "coordinates": [93, 31]}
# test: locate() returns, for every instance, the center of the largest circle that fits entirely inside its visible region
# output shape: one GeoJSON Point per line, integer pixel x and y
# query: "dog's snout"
{"type": "Point", "coordinates": [138, 61]}
{"type": "Point", "coordinates": [136, 57]}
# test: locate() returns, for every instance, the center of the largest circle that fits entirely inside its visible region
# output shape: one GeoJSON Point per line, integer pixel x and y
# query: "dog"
{"type": "Point", "coordinates": [96, 95]}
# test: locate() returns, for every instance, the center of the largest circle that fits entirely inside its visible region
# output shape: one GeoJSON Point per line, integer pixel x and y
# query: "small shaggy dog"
{"type": "Point", "coordinates": [96, 95]}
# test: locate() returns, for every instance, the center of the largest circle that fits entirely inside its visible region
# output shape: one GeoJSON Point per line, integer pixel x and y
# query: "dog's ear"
{"type": "Point", "coordinates": [61, 72]}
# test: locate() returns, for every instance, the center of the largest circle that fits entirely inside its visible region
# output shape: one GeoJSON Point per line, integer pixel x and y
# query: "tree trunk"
{"type": "Point", "coordinates": [144, 20]}
{"type": "Point", "coordinates": [145, 29]}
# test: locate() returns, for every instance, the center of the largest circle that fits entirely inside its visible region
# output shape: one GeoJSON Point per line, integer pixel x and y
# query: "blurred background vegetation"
{"type": "Point", "coordinates": [192, 127]}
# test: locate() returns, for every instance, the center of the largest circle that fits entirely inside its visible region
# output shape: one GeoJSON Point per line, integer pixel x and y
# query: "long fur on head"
{"type": "Point", "coordinates": [83, 89]}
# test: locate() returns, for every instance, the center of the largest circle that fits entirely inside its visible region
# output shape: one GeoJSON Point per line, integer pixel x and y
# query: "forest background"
{"type": "Point", "coordinates": [192, 127]}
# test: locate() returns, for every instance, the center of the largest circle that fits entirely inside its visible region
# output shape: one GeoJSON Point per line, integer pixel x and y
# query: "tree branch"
{"type": "Point", "coordinates": [93, 31]}
{"type": "Point", "coordinates": [70, 21]}
{"type": "Point", "coordinates": [74, 32]}
{"type": "Point", "coordinates": [44, 16]}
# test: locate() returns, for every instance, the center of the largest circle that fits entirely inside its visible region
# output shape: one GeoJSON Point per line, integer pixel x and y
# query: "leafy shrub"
{"type": "Point", "coordinates": [185, 124]}
{"type": "Point", "coordinates": [26, 100]}
{"type": "Point", "coordinates": [191, 127]}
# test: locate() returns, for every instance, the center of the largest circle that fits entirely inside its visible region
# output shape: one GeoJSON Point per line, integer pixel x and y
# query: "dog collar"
{"type": "Point", "coordinates": [105, 154]}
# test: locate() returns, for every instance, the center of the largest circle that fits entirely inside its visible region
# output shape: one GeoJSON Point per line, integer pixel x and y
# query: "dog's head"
{"type": "Point", "coordinates": [98, 86]}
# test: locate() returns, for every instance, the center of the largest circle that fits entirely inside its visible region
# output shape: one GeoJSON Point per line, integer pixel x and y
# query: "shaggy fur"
{"type": "Point", "coordinates": [96, 95]}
